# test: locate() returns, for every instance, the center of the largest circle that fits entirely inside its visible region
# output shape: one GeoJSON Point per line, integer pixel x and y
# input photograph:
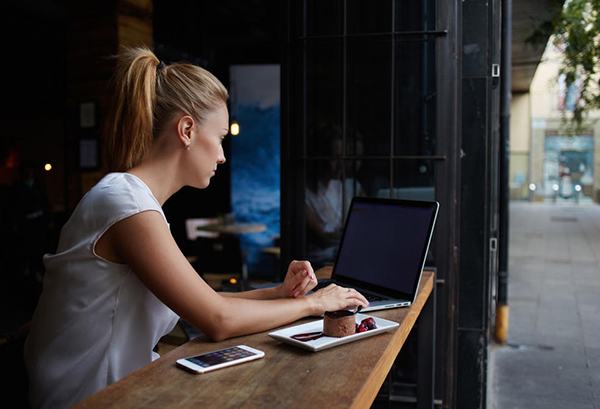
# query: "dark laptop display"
{"type": "Point", "coordinates": [383, 250]}
{"type": "Point", "coordinates": [384, 246]}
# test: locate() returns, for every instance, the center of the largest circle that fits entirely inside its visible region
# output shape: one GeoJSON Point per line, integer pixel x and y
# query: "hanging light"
{"type": "Point", "coordinates": [235, 128]}
{"type": "Point", "coordinates": [48, 167]}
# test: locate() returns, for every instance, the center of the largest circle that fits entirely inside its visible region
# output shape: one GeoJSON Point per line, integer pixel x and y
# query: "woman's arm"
{"type": "Point", "coordinates": [144, 242]}
{"type": "Point", "coordinates": [299, 280]}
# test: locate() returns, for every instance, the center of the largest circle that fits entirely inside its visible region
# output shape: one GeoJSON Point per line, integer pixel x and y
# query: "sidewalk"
{"type": "Point", "coordinates": [552, 358]}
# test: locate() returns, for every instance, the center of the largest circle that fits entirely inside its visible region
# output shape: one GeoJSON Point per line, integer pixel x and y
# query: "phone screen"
{"type": "Point", "coordinates": [219, 357]}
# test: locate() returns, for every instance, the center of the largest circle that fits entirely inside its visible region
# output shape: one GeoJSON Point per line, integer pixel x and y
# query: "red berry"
{"type": "Point", "coordinates": [369, 323]}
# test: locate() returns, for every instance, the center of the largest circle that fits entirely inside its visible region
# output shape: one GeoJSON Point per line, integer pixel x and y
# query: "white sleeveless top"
{"type": "Point", "coordinates": [95, 322]}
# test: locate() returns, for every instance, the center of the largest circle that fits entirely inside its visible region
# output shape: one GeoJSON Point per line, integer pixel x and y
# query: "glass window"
{"type": "Point", "coordinates": [364, 18]}
{"type": "Point", "coordinates": [369, 93]}
{"type": "Point", "coordinates": [324, 17]}
{"type": "Point", "coordinates": [352, 175]}
{"type": "Point", "coordinates": [374, 175]}
{"type": "Point", "coordinates": [414, 15]}
{"type": "Point", "coordinates": [413, 180]}
{"type": "Point", "coordinates": [414, 96]}
{"type": "Point", "coordinates": [324, 96]}
{"type": "Point", "coordinates": [324, 202]}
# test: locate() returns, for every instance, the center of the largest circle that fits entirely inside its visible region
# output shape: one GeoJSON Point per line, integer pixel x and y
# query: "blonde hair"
{"type": "Point", "coordinates": [148, 94]}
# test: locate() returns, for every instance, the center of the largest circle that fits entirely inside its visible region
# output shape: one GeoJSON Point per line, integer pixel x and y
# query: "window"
{"type": "Point", "coordinates": [366, 126]}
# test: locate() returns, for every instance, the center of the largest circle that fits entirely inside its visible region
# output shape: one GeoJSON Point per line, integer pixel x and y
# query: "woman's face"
{"type": "Point", "coordinates": [206, 146]}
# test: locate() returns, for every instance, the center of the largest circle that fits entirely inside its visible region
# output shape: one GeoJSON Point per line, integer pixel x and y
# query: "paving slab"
{"type": "Point", "coordinates": [552, 357]}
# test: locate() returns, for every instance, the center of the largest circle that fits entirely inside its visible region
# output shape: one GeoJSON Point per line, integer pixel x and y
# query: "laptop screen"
{"type": "Point", "coordinates": [385, 243]}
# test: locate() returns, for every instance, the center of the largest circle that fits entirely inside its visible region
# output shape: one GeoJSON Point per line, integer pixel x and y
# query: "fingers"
{"type": "Point", "coordinates": [297, 266]}
{"type": "Point", "coordinates": [303, 272]}
{"type": "Point", "coordinates": [347, 296]}
{"type": "Point", "coordinates": [356, 296]}
{"type": "Point", "coordinates": [300, 279]}
{"type": "Point", "coordinates": [306, 281]}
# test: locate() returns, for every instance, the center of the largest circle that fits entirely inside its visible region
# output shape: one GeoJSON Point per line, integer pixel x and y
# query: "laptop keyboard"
{"type": "Point", "coordinates": [369, 296]}
{"type": "Point", "coordinates": [372, 297]}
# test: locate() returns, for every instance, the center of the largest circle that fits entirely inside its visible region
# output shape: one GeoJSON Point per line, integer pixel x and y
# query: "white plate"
{"type": "Point", "coordinates": [285, 335]}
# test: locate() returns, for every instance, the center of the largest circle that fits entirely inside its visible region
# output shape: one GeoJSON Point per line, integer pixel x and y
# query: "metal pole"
{"type": "Point", "coordinates": [501, 324]}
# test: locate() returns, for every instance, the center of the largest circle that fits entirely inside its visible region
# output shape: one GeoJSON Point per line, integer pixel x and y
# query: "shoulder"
{"type": "Point", "coordinates": [115, 197]}
{"type": "Point", "coordinates": [122, 191]}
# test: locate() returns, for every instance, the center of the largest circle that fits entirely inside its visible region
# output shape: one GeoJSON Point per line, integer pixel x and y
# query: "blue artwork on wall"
{"type": "Point", "coordinates": [255, 158]}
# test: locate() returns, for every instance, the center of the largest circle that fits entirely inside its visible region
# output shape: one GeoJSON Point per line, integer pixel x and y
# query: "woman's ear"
{"type": "Point", "coordinates": [185, 124]}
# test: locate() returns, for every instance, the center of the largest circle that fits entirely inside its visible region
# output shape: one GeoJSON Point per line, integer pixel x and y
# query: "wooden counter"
{"type": "Point", "coordinates": [347, 376]}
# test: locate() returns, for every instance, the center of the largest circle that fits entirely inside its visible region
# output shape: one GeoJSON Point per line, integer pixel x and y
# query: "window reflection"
{"type": "Point", "coordinates": [374, 175]}
{"type": "Point", "coordinates": [413, 180]}
{"type": "Point", "coordinates": [368, 109]}
{"type": "Point", "coordinates": [324, 211]}
{"type": "Point", "coordinates": [330, 186]}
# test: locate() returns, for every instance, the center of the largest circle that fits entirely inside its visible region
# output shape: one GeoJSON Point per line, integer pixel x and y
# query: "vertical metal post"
{"type": "Point", "coordinates": [501, 327]}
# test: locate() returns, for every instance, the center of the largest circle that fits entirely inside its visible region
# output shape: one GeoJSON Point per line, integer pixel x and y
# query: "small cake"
{"type": "Point", "coordinates": [339, 324]}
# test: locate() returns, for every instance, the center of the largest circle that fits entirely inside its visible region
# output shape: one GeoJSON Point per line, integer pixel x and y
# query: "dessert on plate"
{"type": "Point", "coordinates": [339, 324]}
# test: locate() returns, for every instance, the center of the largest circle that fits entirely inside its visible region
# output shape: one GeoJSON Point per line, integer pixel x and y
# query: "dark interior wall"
{"type": "Point", "coordinates": [33, 70]}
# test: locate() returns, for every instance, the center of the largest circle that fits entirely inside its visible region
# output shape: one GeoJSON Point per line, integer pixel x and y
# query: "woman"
{"type": "Point", "coordinates": [118, 281]}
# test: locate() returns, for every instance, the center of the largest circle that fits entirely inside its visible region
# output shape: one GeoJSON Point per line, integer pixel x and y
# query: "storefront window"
{"type": "Point", "coordinates": [568, 168]}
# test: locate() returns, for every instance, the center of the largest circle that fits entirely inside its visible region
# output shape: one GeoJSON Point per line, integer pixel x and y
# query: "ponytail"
{"type": "Point", "coordinates": [147, 95]}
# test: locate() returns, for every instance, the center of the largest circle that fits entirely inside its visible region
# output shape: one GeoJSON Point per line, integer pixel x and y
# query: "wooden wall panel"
{"type": "Point", "coordinates": [97, 30]}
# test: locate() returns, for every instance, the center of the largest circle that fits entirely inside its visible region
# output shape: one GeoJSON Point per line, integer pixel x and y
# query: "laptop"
{"type": "Point", "coordinates": [383, 250]}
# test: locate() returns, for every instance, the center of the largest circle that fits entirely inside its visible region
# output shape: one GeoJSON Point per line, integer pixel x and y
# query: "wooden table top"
{"type": "Point", "coordinates": [346, 376]}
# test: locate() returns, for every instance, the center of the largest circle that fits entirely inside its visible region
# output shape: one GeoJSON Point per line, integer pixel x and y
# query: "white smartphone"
{"type": "Point", "coordinates": [220, 359]}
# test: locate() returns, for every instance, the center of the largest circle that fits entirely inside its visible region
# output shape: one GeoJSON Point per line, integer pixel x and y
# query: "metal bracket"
{"type": "Point", "coordinates": [495, 70]}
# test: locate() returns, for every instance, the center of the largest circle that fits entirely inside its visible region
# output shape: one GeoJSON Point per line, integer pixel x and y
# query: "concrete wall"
{"type": "Point", "coordinates": [520, 143]}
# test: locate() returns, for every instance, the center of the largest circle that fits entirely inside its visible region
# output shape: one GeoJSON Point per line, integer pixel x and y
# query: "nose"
{"type": "Point", "coordinates": [221, 159]}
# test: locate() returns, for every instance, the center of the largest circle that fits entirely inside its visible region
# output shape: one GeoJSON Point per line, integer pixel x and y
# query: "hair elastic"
{"type": "Point", "coordinates": [161, 66]}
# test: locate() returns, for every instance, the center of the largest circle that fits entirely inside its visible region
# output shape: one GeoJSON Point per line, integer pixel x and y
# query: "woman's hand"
{"type": "Point", "coordinates": [334, 297]}
{"type": "Point", "coordinates": [299, 280]}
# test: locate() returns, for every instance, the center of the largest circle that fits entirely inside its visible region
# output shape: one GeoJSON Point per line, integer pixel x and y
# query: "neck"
{"type": "Point", "coordinates": [161, 182]}
{"type": "Point", "coordinates": [160, 169]}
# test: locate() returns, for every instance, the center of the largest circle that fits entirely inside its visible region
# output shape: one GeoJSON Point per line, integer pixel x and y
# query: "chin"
{"type": "Point", "coordinates": [202, 185]}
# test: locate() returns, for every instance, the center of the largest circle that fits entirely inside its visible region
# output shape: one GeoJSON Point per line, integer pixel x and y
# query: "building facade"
{"type": "Point", "coordinates": [546, 162]}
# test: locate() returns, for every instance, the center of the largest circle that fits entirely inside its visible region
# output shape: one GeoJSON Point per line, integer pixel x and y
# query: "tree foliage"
{"type": "Point", "coordinates": [575, 30]}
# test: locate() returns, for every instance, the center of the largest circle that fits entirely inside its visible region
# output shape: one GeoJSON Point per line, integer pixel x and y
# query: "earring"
{"type": "Point", "coordinates": [187, 148]}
